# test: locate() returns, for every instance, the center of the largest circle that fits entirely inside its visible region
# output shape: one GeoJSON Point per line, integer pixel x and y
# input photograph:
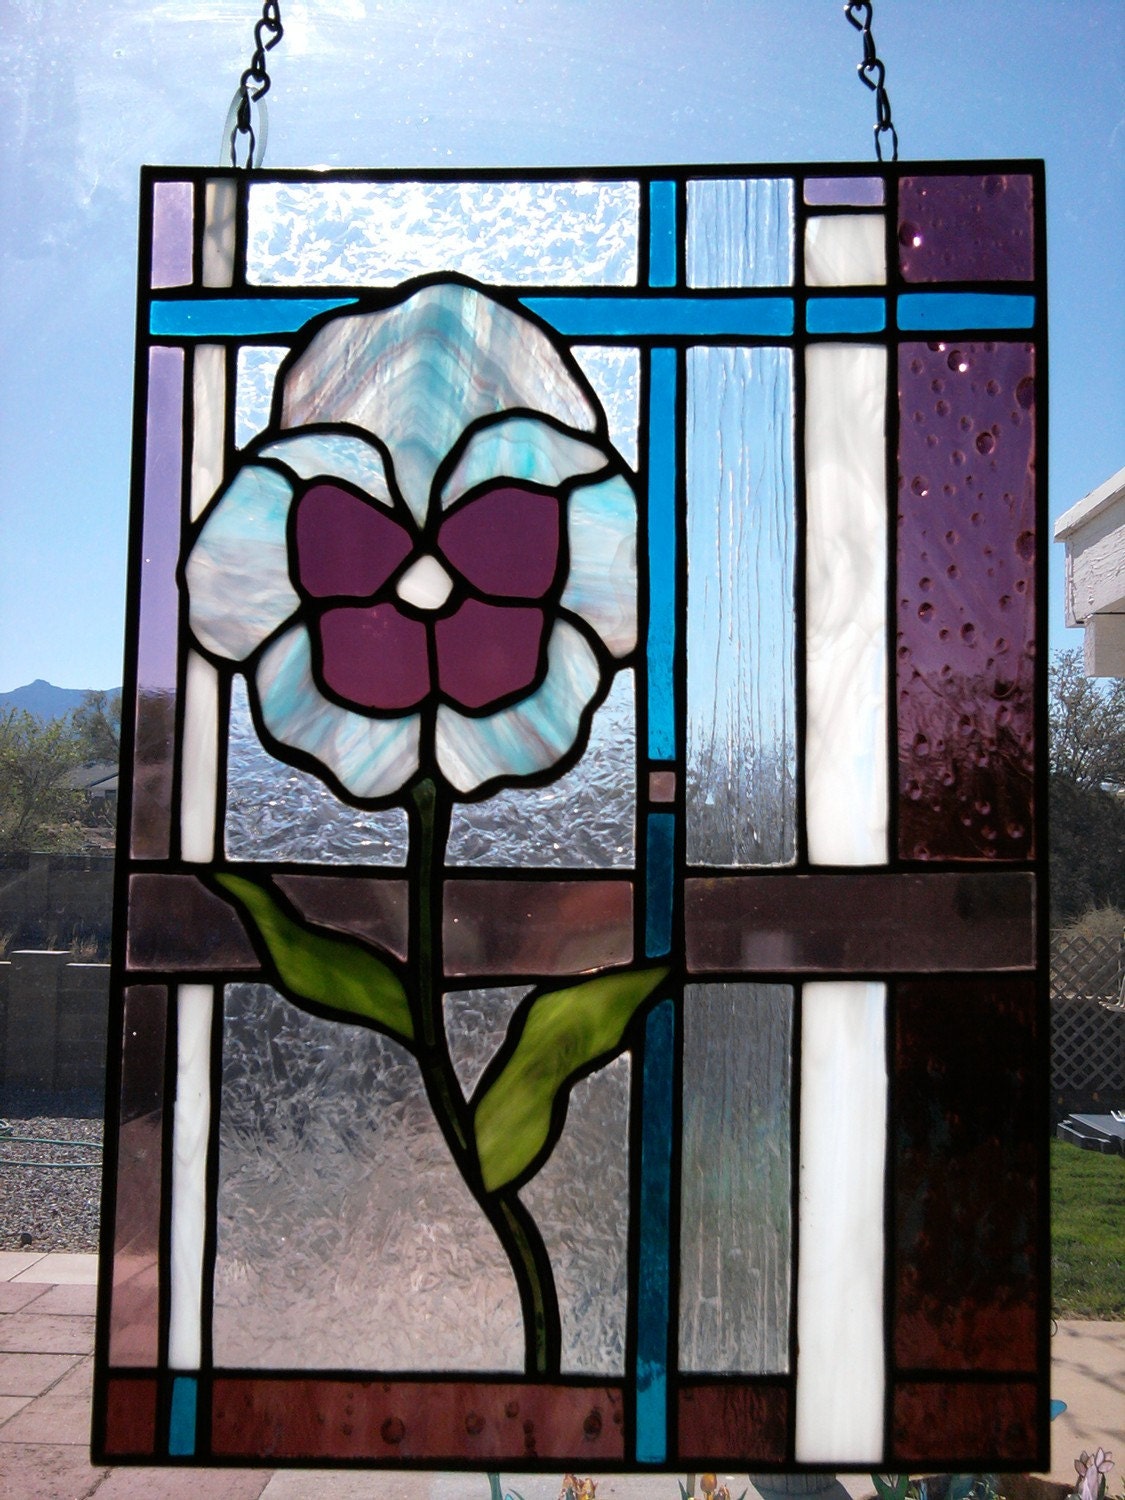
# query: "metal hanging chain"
{"type": "Point", "coordinates": [253, 87]}
{"type": "Point", "coordinates": [872, 72]}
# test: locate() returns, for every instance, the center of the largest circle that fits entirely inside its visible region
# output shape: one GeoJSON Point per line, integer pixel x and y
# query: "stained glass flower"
{"type": "Point", "coordinates": [1091, 1473]}
{"type": "Point", "coordinates": [429, 562]}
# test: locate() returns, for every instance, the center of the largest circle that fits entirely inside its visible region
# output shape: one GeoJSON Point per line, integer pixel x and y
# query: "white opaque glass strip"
{"type": "Point", "coordinates": [199, 777]}
{"type": "Point", "coordinates": [190, 1126]}
{"type": "Point", "coordinates": [845, 605]}
{"type": "Point", "coordinates": [209, 390]}
{"type": "Point", "coordinates": [845, 250]}
{"type": "Point", "coordinates": [841, 1374]}
{"type": "Point", "coordinates": [220, 198]}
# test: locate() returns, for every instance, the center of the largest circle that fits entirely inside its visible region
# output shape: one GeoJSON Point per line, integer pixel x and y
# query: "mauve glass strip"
{"type": "Point", "coordinates": [171, 233]}
{"type": "Point", "coordinates": [373, 910]}
{"type": "Point", "coordinates": [662, 256]}
{"type": "Point", "coordinates": [966, 601]}
{"type": "Point", "coordinates": [966, 228]}
{"type": "Point", "coordinates": [176, 922]}
{"type": "Point", "coordinates": [158, 614]}
{"type": "Point", "coordinates": [857, 192]}
{"type": "Point", "coordinates": [130, 1417]}
{"type": "Point", "coordinates": [865, 923]}
{"type": "Point", "coordinates": [536, 927]}
{"type": "Point", "coordinates": [965, 1136]}
{"type": "Point", "coordinates": [972, 1421]}
{"type": "Point", "coordinates": [653, 1291]}
{"type": "Point", "coordinates": [661, 553]}
{"type": "Point", "coordinates": [289, 1417]}
{"type": "Point", "coordinates": [134, 1337]}
{"type": "Point", "coordinates": [728, 1421]}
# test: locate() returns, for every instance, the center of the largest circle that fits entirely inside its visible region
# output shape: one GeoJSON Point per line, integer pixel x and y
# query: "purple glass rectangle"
{"type": "Point", "coordinates": [966, 600]}
{"type": "Point", "coordinates": [134, 1306]}
{"type": "Point", "coordinates": [966, 228]}
{"type": "Point", "coordinates": [853, 192]}
{"type": "Point", "coordinates": [536, 927]}
{"type": "Point", "coordinates": [372, 910]}
{"type": "Point", "coordinates": [157, 625]}
{"type": "Point", "coordinates": [176, 922]}
{"type": "Point", "coordinates": [172, 205]}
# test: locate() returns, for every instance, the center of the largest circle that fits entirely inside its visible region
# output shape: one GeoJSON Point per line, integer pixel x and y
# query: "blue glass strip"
{"type": "Point", "coordinates": [933, 311]}
{"type": "Point", "coordinates": [846, 315]}
{"type": "Point", "coordinates": [628, 317]}
{"type": "Point", "coordinates": [218, 317]}
{"type": "Point", "coordinates": [662, 234]}
{"type": "Point", "coordinates": [661, 553]}
{"type": "Point", "coordinates": [658, 903]}
{"type": "Point", "coordinates": [181, 1424]}
{"type": "Point", "coordinates": [655, 1232]}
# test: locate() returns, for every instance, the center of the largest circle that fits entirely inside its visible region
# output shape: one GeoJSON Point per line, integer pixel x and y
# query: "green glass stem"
{"type": "Point", "coordinates": [513, 1225]}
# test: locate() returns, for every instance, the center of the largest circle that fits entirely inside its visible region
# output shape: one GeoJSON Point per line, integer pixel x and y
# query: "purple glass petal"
{"type": "Point", "coordinates": [487, 651]}
{"type": "Point", "coordinates": [345, 545]}
{"type": "Point", "coordinates": [505, 542]}
{"type": "Point", "coordinates": [375, 658]}
{"type": "Point", "coordinates": [966, 608]}
{"type": "Point", "coordinates": [966, 228]}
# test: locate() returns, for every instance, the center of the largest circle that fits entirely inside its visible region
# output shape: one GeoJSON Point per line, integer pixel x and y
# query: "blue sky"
{"type": "Point", "coordinates": [91, 89]}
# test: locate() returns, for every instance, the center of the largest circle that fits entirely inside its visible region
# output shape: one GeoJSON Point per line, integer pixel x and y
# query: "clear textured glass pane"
{"type": "Point", "coordinates": [381, 233]}
{"type": "Point", "coordinates": [840, 1316]}
{"type": "Point", "coordinates": [845, 250]}
{"type": "Point", "coordinates": [275, 811]}
{"type": "Point", "coordinates": [346, 1237]}
{"type": "Point", "coordinates": [740, 232]}
{"type": "Point", "coordinates": [741, 700]}
{"type": "Point", "coordinates": [536, 927]}
{"type": "Point", "coordinates": [257, 367]}
{"type": "Point", "coordinates": [615, 374]}
{"type": "Point", "coordinates": [861, 191]}
{"type": "Point", "coordinates": [736, 1179]}
{"type": "Point", "coordinates": [845, 604]}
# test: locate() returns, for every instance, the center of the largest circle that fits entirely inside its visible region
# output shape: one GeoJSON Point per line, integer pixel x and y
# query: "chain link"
{"type": "Point", "coordinates": [253, 86]}
{"type": "Point", "coordinates": [873, 74]}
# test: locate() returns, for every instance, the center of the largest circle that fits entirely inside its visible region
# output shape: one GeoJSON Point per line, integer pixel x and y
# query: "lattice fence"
{"type": "Point", "coordinates": [1087, 1021]}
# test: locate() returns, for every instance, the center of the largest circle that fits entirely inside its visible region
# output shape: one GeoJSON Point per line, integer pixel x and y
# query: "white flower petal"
{"type": "Point", "coordinates": [369, 757]}
{"type": "Point", "coordinates": [602, 583]}
{"type": "Point", "coordinates": [334, 455]}
{"type": "Point", "coordinates": [238, 571]}
{"type": "Point", "coordinates": [530, 736]}
{"type": "Point", "coordinates": [522, 448]}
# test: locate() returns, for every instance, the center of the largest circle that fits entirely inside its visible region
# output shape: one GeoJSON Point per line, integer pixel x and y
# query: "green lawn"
{"type": "Point", "coordinates": [1087, 1233]}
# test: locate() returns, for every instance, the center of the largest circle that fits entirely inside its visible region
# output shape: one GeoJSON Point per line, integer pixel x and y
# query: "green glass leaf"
{"type": "Point", "coordinates": [332, 971]}
{"type": "Point", "coordinates": [563, 1033]}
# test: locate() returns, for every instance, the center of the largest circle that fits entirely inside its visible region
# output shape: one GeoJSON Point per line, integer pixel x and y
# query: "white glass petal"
{"type": "Point", "coordinates": [382, 233]}
{"type": "Point", "coordinates": [602, 583]}
{"type": "Point", "coordinates": [220, 199]}
{"type": "Point", "coordinates": [209, 398]}
{"type": "Point", "coordinates": [257, 368]}
{"type": "Point", "coordinates": [615, 374]}
{"type": "Point", "coordinates": [418, 373]}
{"type": "Point", "coordinates": [238, 571]}
{"type": "Point", "coordinates": [530, 736]}
{"type": "Point", "coordinates": [845, 604]}
{"type": "Point", "coordinates": [845, 250]}
{"type": "Point", "coordinates": [370, 757]}
{"type": "Point", "coordinates": [425, 584]}
{"type": "Point", "coordinates": [199, 771]}
{"type": "Point", "coordinates": [190, 1130]}
{"type": "Point", "coordinates": [740, 232]}
{"type": "Point", "coordinates": [840, 1365]}
{"type": "Point", "coordinates": [521, 448]}
{"type": "Point", "coordinates": [334, 455]}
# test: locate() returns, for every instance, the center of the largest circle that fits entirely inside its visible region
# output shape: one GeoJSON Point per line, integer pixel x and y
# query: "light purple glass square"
{"type": "Point", "coordinates": [966, 228]}
{"type": "Point", "coordinates": [850, 192]}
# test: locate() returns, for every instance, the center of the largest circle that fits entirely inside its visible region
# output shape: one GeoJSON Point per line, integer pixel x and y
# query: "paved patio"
{"type": "Point", "coordinates": [46, 1343]}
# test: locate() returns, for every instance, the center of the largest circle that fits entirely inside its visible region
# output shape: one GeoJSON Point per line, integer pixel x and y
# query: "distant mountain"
{"type": "Point", "coordinates": [44, 700]}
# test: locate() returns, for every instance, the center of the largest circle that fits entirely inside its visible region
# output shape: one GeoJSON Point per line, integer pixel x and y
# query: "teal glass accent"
{"type": "Point", "coordinates": [662, 234]}
{"type": "Point", "coordinates": [846, 315]}
{"type": "Point", "coordinates": [181, 1421]}
{"type": "Point", "coordinates": [934, 311]}
{"type": "Point", "coordinates": [665, 317]}
{"type": "Point", "coordinates": [661, 552]}
{"type": "Point", "coordinates": [658, 907]}
{"type": "Point", "coordinates": [219, 317]}
{"type": "Point", "coordinates": [655, 1232]}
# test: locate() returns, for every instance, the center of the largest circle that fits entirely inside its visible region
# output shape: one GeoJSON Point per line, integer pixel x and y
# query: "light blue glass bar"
{"type": "Point", "coordinates": [218, 317]}
{"type": "Point", "coordinates": [661, 553]}
{"type": "Point", "coordinates": [658, 895]}
{"type": "Point", "coordinates": [662, 234]}
{"type": "Point", "coordinates": [925, 311]}
{"type": "Point", "coordinates": [181, 1421]}
{"type": "Point", "coordinates": [655, 1233]}
{"type": "Point", "coordinates": [846, 314]}
{"type": "Point", "coordinates": [607, 317]}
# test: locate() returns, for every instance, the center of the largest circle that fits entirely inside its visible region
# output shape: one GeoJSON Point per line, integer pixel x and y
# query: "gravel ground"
{"type": "Point", "coordinates": [50, 1207]}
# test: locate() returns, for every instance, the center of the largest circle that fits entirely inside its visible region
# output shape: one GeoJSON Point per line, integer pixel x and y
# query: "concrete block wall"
{"type": "Point", "coordinates": [52, 1021]}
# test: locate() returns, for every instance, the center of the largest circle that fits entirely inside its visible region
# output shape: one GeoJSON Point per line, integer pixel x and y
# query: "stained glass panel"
{"type": "Point", "coordinates": [585, 727]}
